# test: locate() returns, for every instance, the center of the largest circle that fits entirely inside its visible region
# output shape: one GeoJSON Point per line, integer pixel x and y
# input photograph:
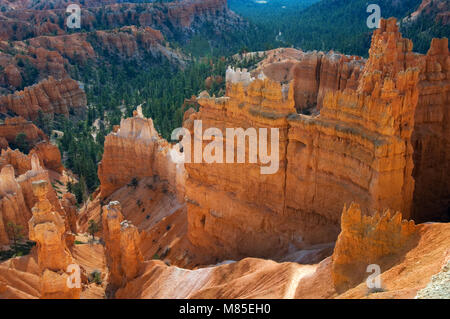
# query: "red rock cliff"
{"type": "Point", "coordinates": [313, 74]}
{"type": "Point", "coordinates": [136, 150]}
{"type": "Point", "coordinates": [431, 137]}
{"type": "Point", "coordinates": [49, 97]}
{"type": "Point", "coordinates": [122, 241]}
{"type": "Point", "coordinates": [13, 126]}
{"type": "Point", "coordinates": [359, 148]}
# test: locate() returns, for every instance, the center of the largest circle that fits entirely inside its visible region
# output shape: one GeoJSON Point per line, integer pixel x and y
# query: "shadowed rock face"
{"type": "Point", "coordinates": [365, 240]}
{"type": "Point", "coordinates": [313, 74]}
{"type": "Point", "coordinates": [47, 228]}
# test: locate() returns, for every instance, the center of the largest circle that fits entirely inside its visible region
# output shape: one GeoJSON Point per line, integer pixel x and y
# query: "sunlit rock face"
{"type": "Point", "coordinates": [122, 241]}
{"type": "Point", "coordinates": [234, 210]}
{"type": "Point", "coordinates": [431, 136]}
{"type": "Point", "coordinates": [358, 149]}
{"type": "Point", "coordinates": [313, 74]}
{"type": "Point", "coordinates": [18, 172]}
{"type": "Point", "coordinates": [17, 198]}
{"type": "Point", "coordinates": [365, 240]}
{"type": "Point", "coordinates": [16, 125]}
{"type": "Point", "coordinates": [136, 150]}
{"type": "Point", "coordinates": [47, 228]}
{"type": "Point", "coordinates": [49, 97]}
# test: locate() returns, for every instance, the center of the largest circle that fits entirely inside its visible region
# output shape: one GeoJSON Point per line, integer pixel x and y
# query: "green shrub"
{"type": "Point", "coordinates": [95, 277]}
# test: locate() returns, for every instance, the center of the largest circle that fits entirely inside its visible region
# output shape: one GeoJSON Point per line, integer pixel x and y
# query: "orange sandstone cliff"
{"type": "Point", "coordinates": [136, 151]}
{"type": "Point", "coordinates": [431, 136]}
{"type": "Point", "coordinates": [49, 97]}
{"type": "Point", "coordinates": [357, 149]}
{"type": "Point", "coordinates": [16, 125]}
{"type": "Point", "coordinates": [47, 229]}
{"type": "Point", "coordinates": [365, 240]}
{"type": "Point", "coordinates": [313, 74]}
{"type": "Point", "coordinates": [122, 243]}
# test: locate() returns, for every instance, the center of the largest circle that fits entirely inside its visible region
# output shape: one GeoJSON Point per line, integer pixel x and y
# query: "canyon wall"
{"type": "Point", "coordinates": [135, 150]}
{"type": "Point", "coordinates": [54, 55]}
{"type": "Point", "coordinates": [359, 148]}
{"type": "Point", "coordinates": [49, 97]}
{"type": "Point", "coordinates": [314, 74]}
{"type": "Point", "coordinates": [233, 210]}
{"type": "Point", "coordinates": [173, 16]}
{"type": "Point", "coordinates": [431, 136]}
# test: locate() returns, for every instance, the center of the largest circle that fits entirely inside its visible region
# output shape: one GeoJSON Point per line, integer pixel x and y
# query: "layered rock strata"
{"type": "Point", "coordinates": [12, 204]}
{"type": "Point", "coordinates": [431, 136]}
{"type": "Point", "coordinates": [49, 97]}
{"type": "Point", "coordinates": [185, 16]}
{"type": "Point", "coordinates": [358, 149]}
{"type": "Point", "coordinates": [122, 242]}
{"type": "Point", "coordinates": [136, 151]}
{"type": "Point", "coordinates": [313, 74]}
{"type": "Point", "coordinates": [47, 154]}
{"type": "Point", "coordinates": [233, 210]}
{"type": "Point", "coordinates": [364, 240]}
{"type": "Point", "coordinates": [16, 192]}
{"type": "Point", "coordinates": [47, 229]}
{"type": "Point", "coordinates": [11, 127]}
{"type": "Point", "coordinates": [55, 55]}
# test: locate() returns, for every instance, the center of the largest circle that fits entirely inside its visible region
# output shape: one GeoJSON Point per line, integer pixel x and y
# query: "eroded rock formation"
{"type": "Point", "coordinates": [12, 205]}
{"type": "Point", "coordinates": [16, 125]}
{"type": "Point", "coordinates": [233, 210]}
{"type": "Point", "coordinates": [19, 171]}
{"type": "Point", "coordinates": [122, 241]}
{"type": "Point", "coordinates": [47, 229]}
{"type": "Point", "coordinates": [359, 148]}
{"type": "Point", "coordinates": [49, 97]}
{"type": "Point", "coordinates": [431, 136]}
{"type": "Point", "coordinates": [184, 16]}
{"type": "Point", "coordinates": [364, 240]}
{"type": "Point", "coordinates": [313, 74]}
{"type": "Point", "coordinates": [52, 56]}
{"type": "Point", "coordinates": [49, 156]}
{"type": "Point", "coordinates": [136, 150]}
